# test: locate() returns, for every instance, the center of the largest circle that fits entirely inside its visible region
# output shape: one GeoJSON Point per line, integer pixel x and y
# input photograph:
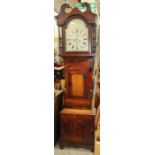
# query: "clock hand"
{"type": "Point", "coordinates": [76, 44]}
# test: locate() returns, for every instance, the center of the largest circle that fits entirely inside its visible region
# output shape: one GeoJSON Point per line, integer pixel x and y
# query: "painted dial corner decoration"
{"type": "Point", "coordinates": [77, 36]}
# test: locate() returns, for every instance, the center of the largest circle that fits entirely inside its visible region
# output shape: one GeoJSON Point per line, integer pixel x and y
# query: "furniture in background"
{"type": "Point", "coordinates": [58, 75]}
{"type": "Point", "coordinates": [97, 142]}
{"type": "Point", "coordinates": [97, 133]}
{"type": "Point", "coordinates": [58, 101]}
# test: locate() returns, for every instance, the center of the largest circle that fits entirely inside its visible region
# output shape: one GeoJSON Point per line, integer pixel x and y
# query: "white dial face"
{"type": "Point", "coordinates": [76, 36]}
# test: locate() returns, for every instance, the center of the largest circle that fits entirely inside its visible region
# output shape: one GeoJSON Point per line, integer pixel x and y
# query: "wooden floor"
{"type": "Point", "coordinates": [71, 151]}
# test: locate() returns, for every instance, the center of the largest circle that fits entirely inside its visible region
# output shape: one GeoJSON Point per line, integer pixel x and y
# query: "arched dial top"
{"type": "Point", "coordinates": [76, 36]}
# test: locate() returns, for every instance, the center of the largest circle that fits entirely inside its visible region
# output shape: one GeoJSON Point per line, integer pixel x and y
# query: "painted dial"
{"type": "Point", "coordinates": [77, 36]}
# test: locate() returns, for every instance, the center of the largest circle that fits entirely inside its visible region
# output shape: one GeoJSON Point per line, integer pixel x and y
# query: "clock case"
{"type": "Point", "coordinates": [78, 65]}
{"type": "Point", "coordinates": [77, 120]}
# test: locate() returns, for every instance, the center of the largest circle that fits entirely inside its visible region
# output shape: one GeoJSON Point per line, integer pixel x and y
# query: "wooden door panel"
{"type": "Point", "coordinates": [78, 92]}
{"type": "Point", "coordinates": [77, 85]}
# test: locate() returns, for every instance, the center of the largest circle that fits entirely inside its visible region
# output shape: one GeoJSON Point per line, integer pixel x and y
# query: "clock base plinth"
{"type": "Point", "coordinates": [62, 145]}
{"type": "Point", "coordinates": [77, 128]}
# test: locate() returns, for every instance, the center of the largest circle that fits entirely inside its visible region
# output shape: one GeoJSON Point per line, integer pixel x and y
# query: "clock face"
{"type": "Point", "coordinates": [76, 36]}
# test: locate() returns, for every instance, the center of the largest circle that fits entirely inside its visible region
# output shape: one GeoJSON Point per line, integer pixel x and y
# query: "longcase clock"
{"type": "Point", "coordinates": [77, 45]}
